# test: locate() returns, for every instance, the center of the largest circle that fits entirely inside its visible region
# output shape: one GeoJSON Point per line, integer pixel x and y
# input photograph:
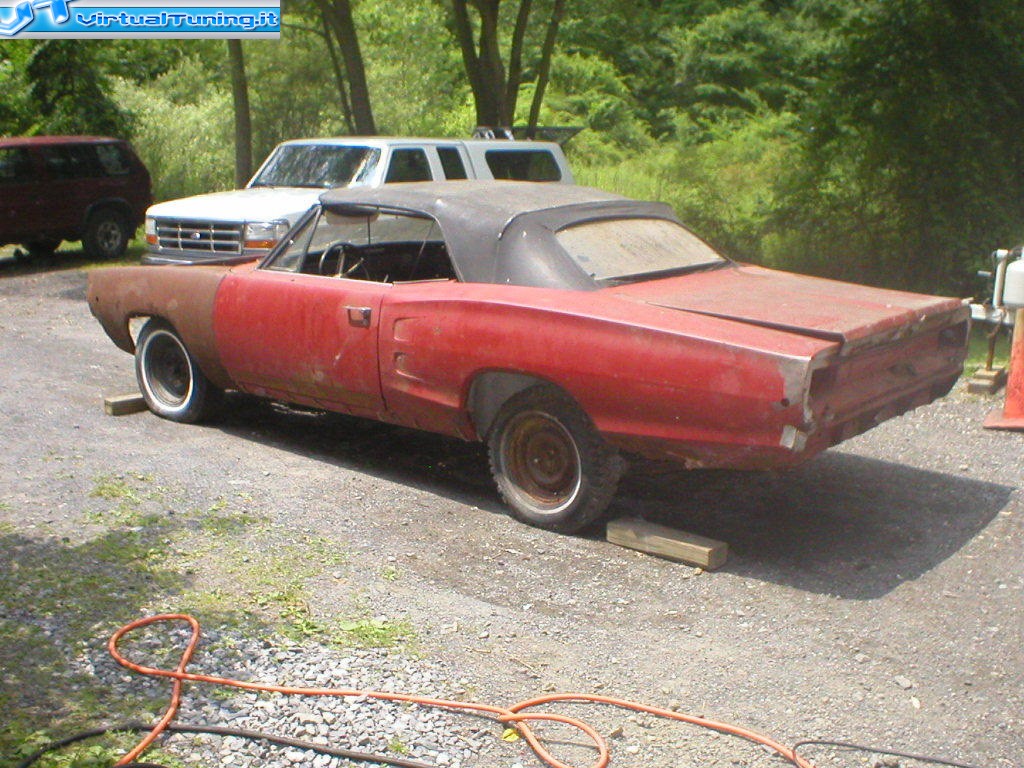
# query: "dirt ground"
{"type": "Point", "coordinates": [875, 595]}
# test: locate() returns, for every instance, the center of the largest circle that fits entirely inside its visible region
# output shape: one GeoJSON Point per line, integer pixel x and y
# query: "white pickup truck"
{"type": "Point", "coordinates": [244, 224]}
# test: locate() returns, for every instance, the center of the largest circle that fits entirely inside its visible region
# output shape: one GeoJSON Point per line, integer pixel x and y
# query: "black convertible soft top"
{"type": "Point", "coordinates": [503, 231]}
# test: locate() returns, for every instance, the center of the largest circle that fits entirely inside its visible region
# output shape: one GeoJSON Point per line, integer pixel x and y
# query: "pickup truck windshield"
{"type": "Point", "coordinates": [617, 250]}
{"type": "Point", "coordinates": [317, 165]}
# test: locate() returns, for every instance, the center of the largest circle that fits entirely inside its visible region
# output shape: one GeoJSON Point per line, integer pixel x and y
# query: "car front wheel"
{"type": "Point", "coordinates": [170, 380]}
{"type": "Point", "coordinates": [106, 234]}
{"type": "Point", "coordinates": [551, 466]}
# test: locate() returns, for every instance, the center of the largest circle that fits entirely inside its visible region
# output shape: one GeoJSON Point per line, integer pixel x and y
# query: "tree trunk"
{"type": "Point", "coordinates": [544, 69]}
{"type": "Point", "coordinates": [339, 12]}
{"type": "Point", "coordinates": [339, 78]}
{"type": "Point", "coordinates": [515, 64]}
{"type": "Point", "coordinates": [486, 108]}
{"type": "Point", "coordinates": [243, 119]}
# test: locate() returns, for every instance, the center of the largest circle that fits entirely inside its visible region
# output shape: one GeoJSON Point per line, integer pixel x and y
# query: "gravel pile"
{"type": "Point", "coordinates": [432, 735]}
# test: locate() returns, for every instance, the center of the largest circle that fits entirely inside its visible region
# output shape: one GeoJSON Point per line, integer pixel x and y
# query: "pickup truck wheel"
{"type": "Point", "coordinates": [551, 466]}
{"type": "Point", "coordinates": [170, 381]}
{"type": "Point", "coordinates": [106, 234]}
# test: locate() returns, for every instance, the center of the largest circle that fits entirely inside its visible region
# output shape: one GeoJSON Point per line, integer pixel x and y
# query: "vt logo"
{"type": "Point", "coordinates": [24, 13]}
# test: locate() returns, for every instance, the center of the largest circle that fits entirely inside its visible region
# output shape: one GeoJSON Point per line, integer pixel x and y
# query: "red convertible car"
{"type": "Point", "coordinates": [560, 325]}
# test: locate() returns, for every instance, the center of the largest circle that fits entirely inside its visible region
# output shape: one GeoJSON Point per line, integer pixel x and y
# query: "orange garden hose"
{"type": "Point", "coordinates": [516, 715]}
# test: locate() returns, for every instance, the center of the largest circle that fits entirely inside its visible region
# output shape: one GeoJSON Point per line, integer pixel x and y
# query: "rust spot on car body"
{"type": "Point", "coordinates": [183, 296]}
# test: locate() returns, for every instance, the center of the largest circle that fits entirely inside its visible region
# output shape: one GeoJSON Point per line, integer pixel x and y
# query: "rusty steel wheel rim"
{"type": "Point", "coordinates": [167, 369]}
{"type": "Point", "coordinates": [542, 462]}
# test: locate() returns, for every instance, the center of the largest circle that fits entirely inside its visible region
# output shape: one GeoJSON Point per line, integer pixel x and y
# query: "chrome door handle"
{"type": "Point", "coordinates": [359, 316]}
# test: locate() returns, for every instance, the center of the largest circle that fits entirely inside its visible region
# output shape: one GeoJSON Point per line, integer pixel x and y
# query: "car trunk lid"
{"type": "Point", "coordinates": [855, 315]}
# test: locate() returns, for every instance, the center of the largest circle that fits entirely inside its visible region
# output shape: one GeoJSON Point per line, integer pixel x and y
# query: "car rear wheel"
{"type": "Point", "coordinates": [106, 234]}
{"type": "Point", "coordinates": [551, 466]}
{"type": "Point", "coordinates": [170, 380]}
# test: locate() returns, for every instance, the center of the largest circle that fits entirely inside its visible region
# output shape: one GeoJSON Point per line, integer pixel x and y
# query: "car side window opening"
{"type": "Point", "coordinates": [376, 246]}
{"type": "Point", "coordinates": [523, 164]}
{"type": "Point", "coordinates": [73, 161]}
{"type": "Point", "coordinates": [408, 165]}
{"type": "Point", "coordinates": [113, 159]}
{"type": "Point", "coordinates": [451, 163]}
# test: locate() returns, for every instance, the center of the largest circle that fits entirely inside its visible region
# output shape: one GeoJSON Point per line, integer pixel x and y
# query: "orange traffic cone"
{"type": "Point", "coordinates": [1012, 415]}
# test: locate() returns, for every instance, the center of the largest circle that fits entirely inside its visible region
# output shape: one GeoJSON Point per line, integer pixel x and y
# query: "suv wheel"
{"type": "Point", "coordinates": [106, 234]}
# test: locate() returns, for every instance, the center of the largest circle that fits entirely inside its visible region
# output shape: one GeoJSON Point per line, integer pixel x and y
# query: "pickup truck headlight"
{"type": "Point", "coordinates": [151, 230]}
{"type": "Point", "coordinates": [263, 235]}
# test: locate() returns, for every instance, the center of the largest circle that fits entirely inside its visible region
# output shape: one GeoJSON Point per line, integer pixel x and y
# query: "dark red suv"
{"type": "Point", "coordinates": [87, 188]}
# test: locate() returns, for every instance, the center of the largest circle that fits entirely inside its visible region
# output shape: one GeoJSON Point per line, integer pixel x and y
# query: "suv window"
{"type": "Point", "coordinates": [408, 165]}
{"type": "Point", "coordinates": [523, 164]}
{"type": "Point", "coordinates": [451, 162]}
{"type": "Point", "coordinates": [15, 165]}
{"type": "Point", "coordinates": [72, 161]}
{"type": "Point", "coordinates": [113, 159]}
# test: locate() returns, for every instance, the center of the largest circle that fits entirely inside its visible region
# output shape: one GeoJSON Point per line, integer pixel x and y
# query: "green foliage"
{"type": "Point", "coordinates": [587, 91]}
{"type": "Point", "coordinates": [183, 129]}
{"type": "Point", "coordinates": [875, 141]}
{"type": "Point", "coordinates": [915, 161]}
{"type": "Point", "coordinates": [414, 69]}
{"type": "Point", "coordinates": [69, 89]}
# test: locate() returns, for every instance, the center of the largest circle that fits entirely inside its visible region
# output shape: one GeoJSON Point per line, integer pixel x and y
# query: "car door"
{"type": "Point", "coordinates": [287, 332]}
{"type": "Point", "coordinates": [302, 338]}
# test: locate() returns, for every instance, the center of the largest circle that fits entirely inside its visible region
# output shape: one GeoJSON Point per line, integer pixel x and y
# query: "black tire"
{"type": "Point", "coordinates": [552, 467]}
{"type": "Point", "coordinates": [170, 380]}
{"type": "Point", "coordinates": [106, 234]}
{"type": "Point", "coordinates": [39, 248]}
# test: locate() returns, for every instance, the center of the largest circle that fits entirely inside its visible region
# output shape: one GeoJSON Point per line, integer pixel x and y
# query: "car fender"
{"type": "Point", "coordinates": [183, 296]}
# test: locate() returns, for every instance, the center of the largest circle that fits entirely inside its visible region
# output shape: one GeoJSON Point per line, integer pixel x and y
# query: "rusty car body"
{"type": "Point", "coordinates": [562, 326]}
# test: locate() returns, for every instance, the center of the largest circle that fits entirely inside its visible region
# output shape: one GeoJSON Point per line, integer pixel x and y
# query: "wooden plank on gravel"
{"type": "Point", "coordinates": [122, 405]}
{"type": "Point", "coordinates": [660, 540]}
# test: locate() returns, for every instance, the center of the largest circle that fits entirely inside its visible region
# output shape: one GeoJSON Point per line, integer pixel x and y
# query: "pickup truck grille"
{"type": "Point", "coordinates": [207, 236]}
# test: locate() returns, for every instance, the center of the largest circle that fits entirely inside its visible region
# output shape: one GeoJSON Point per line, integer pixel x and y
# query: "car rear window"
{"type": "Point", "coordinates": [609, 249]}
{"type": "Point", "coordinates": [523, 164]}
{"type": "Point", "coordinates": [113, 159]}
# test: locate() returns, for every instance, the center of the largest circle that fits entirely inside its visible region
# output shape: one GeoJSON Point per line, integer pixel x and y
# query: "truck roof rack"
{"type": "Point", "coordinates": [560, 134]}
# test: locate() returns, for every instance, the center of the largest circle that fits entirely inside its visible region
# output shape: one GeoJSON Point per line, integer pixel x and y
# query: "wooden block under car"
{"type": "Point", "coordinates": [122, 405]}
{"type": "Point", "coordinates": [660, 540]}
{"type": "Point", "coordinates": [986, 381]}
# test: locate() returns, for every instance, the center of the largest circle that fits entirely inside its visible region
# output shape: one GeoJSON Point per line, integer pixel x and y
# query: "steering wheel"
{"type": "Point", "coordinates": [332, 253]}
{"type": "Point", "coordinates": [358, 265]}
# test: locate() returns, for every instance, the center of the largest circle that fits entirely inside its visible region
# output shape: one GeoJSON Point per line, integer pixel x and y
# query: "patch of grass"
{"type": "Point", "coordinates": [114, 488]}
{"type": "Point", "coordinates": [397, 746]}
{"type": "Point", "coordinates": [373, 633]}
{"type": "Point", "coordinates": [390, 573]}
{"type": "Point", "coordinates": [226, 525]}
{"type": "Point", "coordinates": [977, 349]}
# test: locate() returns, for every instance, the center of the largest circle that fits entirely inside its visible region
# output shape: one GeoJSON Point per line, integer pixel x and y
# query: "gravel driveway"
{"type": "Point", "coordinates": [874, 595]}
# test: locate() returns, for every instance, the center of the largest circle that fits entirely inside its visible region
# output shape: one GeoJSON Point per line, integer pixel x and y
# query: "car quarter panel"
{"type": "Point", "coordinates": [652, 379]}
{"type": "Point", "coordinates": [184, 296]}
